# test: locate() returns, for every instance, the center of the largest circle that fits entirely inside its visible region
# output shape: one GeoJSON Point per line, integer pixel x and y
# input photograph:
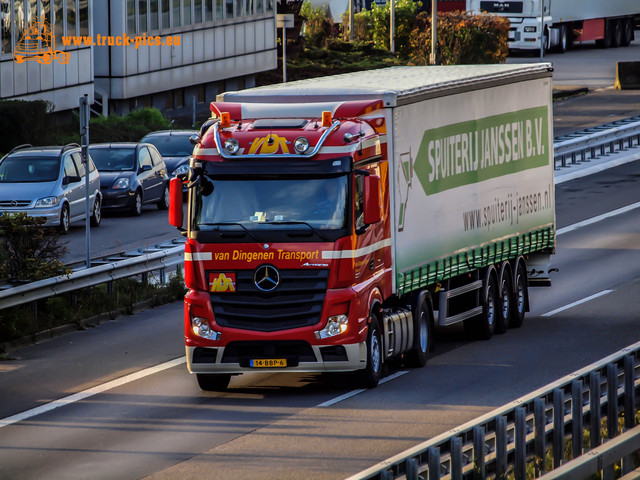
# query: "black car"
{"type": "Point", "coordinates": [131, 174]}
{"type": "Point", "coordinates": [174, 146]}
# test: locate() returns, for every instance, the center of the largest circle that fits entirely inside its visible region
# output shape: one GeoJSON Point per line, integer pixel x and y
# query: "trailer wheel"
{"type": "Point", "coordinates": [563, 43]}
{"type": "Point", "coordinates": [490, 308]}
{"type": "Point", "coordinates": [213, 383]}
{"type": "Point", "coordinates": [422, 333]}
{"type": "Point", "coordinates": [607, 41]}
{"type": "Point", "coordinates": [627, 32]}
{"type": "Point", "coordinates": [370, 376]}
{"type": "Point", "coordinates": [617, 33]}
{"type": "Point", "coordinates": [506, 299]}
{"type": "Point", "coordinates": [520, 295]}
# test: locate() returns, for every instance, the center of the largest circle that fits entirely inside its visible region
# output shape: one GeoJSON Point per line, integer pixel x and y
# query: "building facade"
{"type": "Point", "coordinates": [175, 55]}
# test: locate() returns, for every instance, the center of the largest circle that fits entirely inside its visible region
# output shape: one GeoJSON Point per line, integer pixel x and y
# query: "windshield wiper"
{"type": "Point", "coordinates": [300, 223]}
{"type": "Point", "coordinates": [232, 223]}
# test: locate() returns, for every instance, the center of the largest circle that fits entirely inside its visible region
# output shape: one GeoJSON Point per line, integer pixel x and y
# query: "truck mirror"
{"type": "Point", "coordinates": [371, 199]}
{"type": "Point", "coordinates": [175, 202]}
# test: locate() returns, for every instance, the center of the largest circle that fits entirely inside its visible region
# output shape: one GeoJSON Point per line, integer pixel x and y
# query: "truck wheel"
{"type": "Point", "coordinates": [422, 333]}
{"type": "Point", "coordinates": [370, 376]}
{"type": "Point", "coordinates": [607, 41]}
{"type": "Point", "coordinates": [506, 299]}
{"type": "Point", "coordinates": [617, 33]}
{"type": "Point", "coordinates": [519, 297]}
{"type": "Point", "coordinates": [490, 308]}
{"type": "Point", "coordinates": [213, 383]}
{"type": "Point", "coordinates": [564, 42]}
{"type": "Point", "coordinates": [627, 32]}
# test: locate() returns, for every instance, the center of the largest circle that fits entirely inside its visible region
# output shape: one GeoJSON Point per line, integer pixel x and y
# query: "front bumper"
{"type": "Point", "coordinates": [51, 215]}
{"type": "Point", "coordinates": [324, 358]}
{"type": "Point", "coordinates": [117, 199]}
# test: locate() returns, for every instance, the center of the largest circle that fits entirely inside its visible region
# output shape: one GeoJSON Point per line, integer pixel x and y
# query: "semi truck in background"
{"type": "Point", "coordinates": [610, 23]}
{"type": "Point", "coordinates": [332, 224]}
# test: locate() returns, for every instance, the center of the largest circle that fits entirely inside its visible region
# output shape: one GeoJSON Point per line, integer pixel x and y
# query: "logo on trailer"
{"type": "Point", "coordinates": [269, 145]}
{"type": "Point", "coordinates": [222, 282]}
{"type": "Point", "coordinates": [266, 278]}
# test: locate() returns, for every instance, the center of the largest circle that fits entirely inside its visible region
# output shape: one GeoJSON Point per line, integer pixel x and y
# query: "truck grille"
{"type": "Point", "coordinates": [296, 302]}
{"type": "Point", "coordinates": [501, 6]}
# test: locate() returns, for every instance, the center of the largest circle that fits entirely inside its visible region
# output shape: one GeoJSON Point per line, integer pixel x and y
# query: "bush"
{"type": "Point", "coordinates": [29, 252]}
{"type": "Point", "coordinates": [463, 38]}
{"type": "Point", "coordinates": [318, 27]}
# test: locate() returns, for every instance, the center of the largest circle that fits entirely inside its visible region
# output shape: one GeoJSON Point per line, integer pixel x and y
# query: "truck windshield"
{"type": "Point", "coordinates": [317, 202]}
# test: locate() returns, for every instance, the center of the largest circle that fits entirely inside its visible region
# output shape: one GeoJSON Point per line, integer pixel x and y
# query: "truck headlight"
{"type": "Point", "coordinates": [232, 146]}
{"type": "Point", "coordinates": [201, 327]}
{"type": "Point", "coordinates": [336, 325]}
{"type": "Point", "coordinates": [301, 144]}
{"type": "Point", "coordinates": [530, 29]}
{"type": "Point", "coordinates": [47, 202]}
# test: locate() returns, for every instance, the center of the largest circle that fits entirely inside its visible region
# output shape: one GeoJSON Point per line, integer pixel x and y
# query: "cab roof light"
{"type": "Point", "coordinates": [225, 120]}
{"type": "Point", "coordinates": [326, 119]}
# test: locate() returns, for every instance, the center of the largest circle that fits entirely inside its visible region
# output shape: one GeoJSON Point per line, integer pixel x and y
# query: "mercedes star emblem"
{"type": "Point", "coordinates": [266, 278]}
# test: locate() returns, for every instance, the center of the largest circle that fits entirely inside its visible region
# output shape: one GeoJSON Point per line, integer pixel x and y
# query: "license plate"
{"type": "Point", "coordinates": [268, 363]}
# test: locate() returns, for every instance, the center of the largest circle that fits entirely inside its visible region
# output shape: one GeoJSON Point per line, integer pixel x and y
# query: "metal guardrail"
{"type": "Point", "coordinates": [598, 141]}
{"type": "Point", "coordinates": [143, 264]}
{"type": "Point", "coordinates": [517, 438]}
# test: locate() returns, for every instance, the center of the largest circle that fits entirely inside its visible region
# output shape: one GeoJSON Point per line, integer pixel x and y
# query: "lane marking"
{"type": "Point", "coordinates": [353, 393]}
{"type": "Point", "coordinates": [76, 397]}
{"type": "Point", "coordinates": [579, 302]}
{"type": "Point", "coordinates": [599, 218]}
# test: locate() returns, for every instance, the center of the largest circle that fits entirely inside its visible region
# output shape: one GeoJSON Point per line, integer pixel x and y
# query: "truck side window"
{"type": "Point", "coordinates": [358, 211]}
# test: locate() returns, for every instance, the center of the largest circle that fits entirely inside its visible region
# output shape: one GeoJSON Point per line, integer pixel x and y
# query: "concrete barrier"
{"type": "Point", "coordinates": [627, 76]}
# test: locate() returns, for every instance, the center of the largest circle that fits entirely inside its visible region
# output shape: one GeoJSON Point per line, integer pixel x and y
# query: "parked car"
{"type": "Point", "coordinates": [49, 182]}
{"type": "Point", "coordinates": [174, 146]}
{"type": "Point", "coordinates": [131, 174]}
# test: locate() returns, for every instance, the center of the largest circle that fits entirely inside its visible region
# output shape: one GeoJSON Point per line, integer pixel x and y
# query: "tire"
{"type": "Point", "coordinates": [422, 333]}
{"type": "Point", "coordinates": [65, 220]}
{"type": "Point", "coordinates": [370, 376]}
{"type": "Point", "coordinates": [96, 217]}
{"type": "Point", "coordinates": [617, 33]}
{"type": "Point", "coordinates": [520, 296]}
{"type": "Point", "coordinates": [136, 208]}
{"type": "Point", "coordinates": [213, 383]}
{"type": "Point", "coordinates": [627, 32]}
{"type": "Point", "coordinates": [564, 42]}
{"type": "Point", "coordinates": [505, 304]}
{"type": "Point", "coordinates": [163, 203]}
{"type": "Point", "coordinates": [490, 307]}
{"type": "Point", "coordinates": [608, 34]}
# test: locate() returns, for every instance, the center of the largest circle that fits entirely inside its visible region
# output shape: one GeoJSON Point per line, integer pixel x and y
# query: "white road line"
{"type": "Point", "coordinates": [353, 393]}
{"type": "Point", "coordinates": [599, 218]}
{"type": "Point", "coordinates": [571, 305]}
{"type": "Point", "coordinates": [76, 397]}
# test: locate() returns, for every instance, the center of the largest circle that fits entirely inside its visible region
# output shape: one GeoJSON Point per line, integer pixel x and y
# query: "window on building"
{"type": "Point", "coordinates": [197, 11]}
{"type": "Point", "coordinates": [270, 6]}
{"type": "Point", "coordinates": [32, 13]}
{"type": "Point", "coordinates": [142, 16]}
{"type": "Point", "coordinates": [238, 9]}
{"type": "Point", "coordinates": [201, 94]}
{"type": "Point", "coordinates": [208, 10]}
{"type": "Point", "coordinates": [83, 15]}
{"type": "Point", "coordinates": [166, 8]}
{"type": "Point", "coordinates": [229, 12]}
{"type": "Point", "coordinates": [259, 6]}
{"type": "Point", "coordinates": [176, 13]}
{"type": "Point", "coordinates": [18, 19]}
{"type": "Point", "coordinates": [58, 11]}
{"type": "Point", "coordinates": [249, 7]}
{"type": "Point", "coordinates": [219, 9]}
{"type": "Point", "coordinates": [153, 15]}
{"type": "Point", "coordinates": [178, 98]}
{"type": "Point", "coordinates": [186, 18]}
{"type": "Point", "coordinates": [131, 16]}
{"type": "Point", "coordinates": [5, 27]}
{"type": "Point", "coordinates": [71, 17]}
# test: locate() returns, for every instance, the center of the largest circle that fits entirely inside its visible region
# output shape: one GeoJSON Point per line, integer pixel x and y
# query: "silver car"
{"type": "Point", "coordinates": [49, 182]}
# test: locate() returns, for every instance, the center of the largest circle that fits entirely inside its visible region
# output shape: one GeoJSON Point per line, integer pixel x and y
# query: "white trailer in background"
{"type": "Point", "coordinates": [610, 23]}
